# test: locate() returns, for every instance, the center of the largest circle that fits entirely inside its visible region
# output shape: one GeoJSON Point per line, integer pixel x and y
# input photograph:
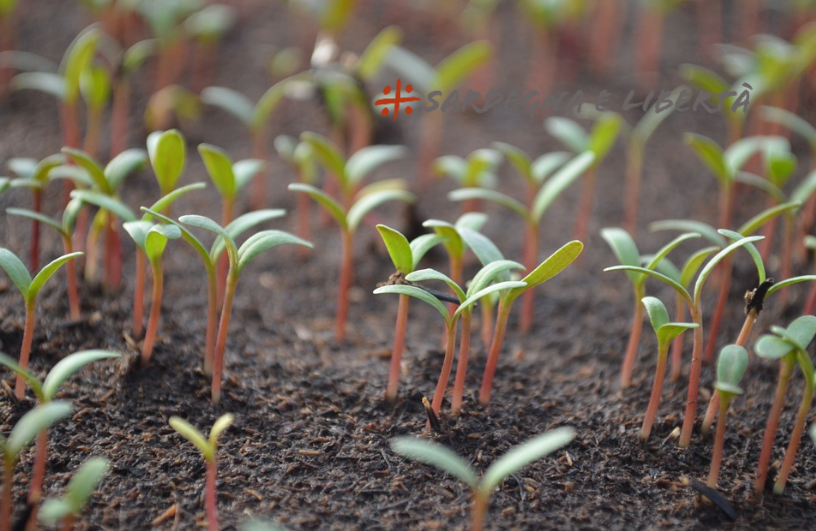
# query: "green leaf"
{"type": "Point", "coordinates": [167, 152]}
{"type": "Point", "coordinates": [369, 202]}
{"type": "Point", "coordinates": [484, 249]}
{"type": "Point", "coordinates": [92, 167]}
{"type": "Point", "coordinates": [137, 54]}
{"type": "Point", "coordinates": [417, 293]}
{"type": "Point", "coordinates": [493, 288]}
{"type": "Point", "coordinates": [210, 225]}
{"type": "Point", "coordinates": [704, 229]}
{"type": "Point", "coordinates": [788, 282]}
{"type": "Point", "coordinates": [772, 347]}
{"type": "Point", "coordinates": [231, 101]}
{"type": "Point", "coordinates": [43, 169]}
{"type": "Point", "coordinates": [758, 221]}
{"type": "Point", "coordinates": [660, 276]}
{"type": "Point", "coordinates": [711, 155]}
{"type": "Point", "coordinates": [421, 245]}
{"type": "Point", "coordinates": [376, 53]}
{"type": "Point", "coordinates": [138, 231]}
{"type": "Point", "coordinates": [731, 365]}
{"type": "Point", "coordinates": [489, 272]}
{"type": "Point", "coordinates": [450, 166]}
{"type": "Point", "coordinates": [791, 121]}
{"type": "Point", "coordinates": [168, 199]}
{"type": "Point", "coordinates": [84, 483]}
{"type": "Point", "coordinates": [156, 240]}
{"type": "Point", "coordinates": [801, 331]}
{"type": "Point", "coordinates": [67, 367]}
{"type": "Point", "coordinates": [241, 224]}
{"type": "Point", "coordinates": [741, 151]}
{"type": "Point", "coordinates": [125, 163]}
{"type": "Point", "coordinates": [409, 65]}
{"type": "Point", "coordinates": [603, 135]}
{"type": "Point", "coordinates": [658, 315]}
{"type": "Point", "coordinates": [189, 432]}
{"type": "Point", "coordinates": [328, 155]}
{"type": "Point", "coordinates": [51, 84]}
{"type": "Point", "coordinates": [523, 455]}
{"type": "Point", "coordinates": [219, 168]}
{"type": "Point", "coordinates": [432, 274]}
{"type": "Point", "coordinates": [221, 424]}
{"type": "Point", "coordinates": [804, 190]}
{"type": "Point", "coordinates": [270, 100]}
{"type": "Point", "coordinates": [709, 267]}
{"type": "Point", "coordinates": [32, 381]}
{"type": "Point", "coordinates": [45, 273]}
{"type": "Point", "coordinates": [704, 79]}
{"type": "Point", "coordinates": [436, 455]}
{"type": "Point", "coordinates": [669, 331]}
{"type": "Point", "coordinates": [453, 241]}
{"type": "Point", "coordinates": [559, 182]}
{"type": "Point", "coordinates": [568, 132]}
{"type": "Point", "coordinates": [761, 184]}
{"type": "Point", "coordinates": [518, 158]}
{"type": "Point", "coordinates": [557, 262]}
{"type": "Point", "coordinates": [464, 194]}
{"type": "Point", "coordinates": [456, 67]}
{"type": "Point", "coordinates": [54, 510]}
{"type": "Point", "coordinates": [625, 249]}
{"type": "Point", "coordinates": [324, 200]}
{"type": "Point", "coordinates": [78, 59]}
{"type": "Point", "coordinates": [105, 202]}
{"type": "Point", "coordinates": [693, 264]}
{"type": "Point", "coordinates": [471, 220]}
{"type": "Point", "coordinates": [545, 165]}
{"type": "Point", "coordinates": [666, 249]}
{"type": "Point", "coordinates": [398, 248]}
{"type": "Point", "coordinates": [186, 235]}
{"type": "Point", "coordinates": [95, 86]}
{"type": "Point", "coordinates": [262, 242]}
{"type": "Point", "coordinates": [245, 170]}
{"type": "Point", "coordinates": [45, 220]}
{"type": "Point", "coordinates": [38, 419]}
{"type": "Point", "coordinates": [367, 159]}
{"type": "Point", "coordinates": [650, 121]}
{"type": "Point", "coordinates": [752, 250]}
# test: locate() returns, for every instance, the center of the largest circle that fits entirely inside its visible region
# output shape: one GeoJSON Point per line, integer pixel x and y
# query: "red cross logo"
{"type": "Point", "coordinates": [397, 99]}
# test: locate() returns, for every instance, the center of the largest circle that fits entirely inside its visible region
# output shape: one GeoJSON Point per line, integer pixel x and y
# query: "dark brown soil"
{"type": "Point", "coordinates": [309, 446]}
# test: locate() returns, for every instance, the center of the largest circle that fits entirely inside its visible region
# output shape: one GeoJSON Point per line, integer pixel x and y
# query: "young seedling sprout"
{"type": "Point", "coordinates": [95, 87]}
{"type": "Point", "coordinates": [30, 290]}
{"type": "Point", "coordinates": [168, 153]}
{"type": "Point", "coordinates": [627, 254]}
{"type": "Point", "coordinates": [478, 170]}
{"type": "Point", "coordinates": [207, 27]}
{"type": "Point", "coordinates": [666, 332]}
{"type": "Point", "coordinates": [239, 258]}
{"type": "Point", "coordinates": [441, 457]}
{"type": "Point", "coordinates": [544, 196]}
{"type": "Point", "coordinates": [45, 391]}
{"type": "Point", "coordinates": [209, 450]}
{"type": "Point", "coordinates": [77, 494]}
{"type": "Point", "coordinates": [789, 346]}
{"type": "Point", "coordinates": [300, 157]}
{"type": "Point", "coordinates": [405, 257]}
{"type": "Point", "coordinates": [599, 141]}
{"type": "Point", "coordinates": [694, 304]}
{"type": "Point", "coordinates": [730, 368]}
{"type": "Point", "coordinates": [129, 61]}
{"type": "Point", "coordinates": [26, 429]}
{"type": "Point", "coordinates": [211, 259]}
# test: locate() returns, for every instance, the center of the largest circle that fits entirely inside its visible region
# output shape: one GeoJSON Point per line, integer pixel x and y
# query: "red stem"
{"type": "Point", "coordinates": [604, 45]}
{"type": "Point", "coordinates": [495, 350]}
{"type": "Point", "coordinates": [647, 53]}
{"type": "Point", "coordinates": [479, 511]}
{"type": "Point", "coordinates": [399, 341]}
{"type": "Point", "coordinates": [634, 172]}
{"type": "Point", "coordinates": [212, 321]}
{"type": "Point", "coordinates": [694, 377]}
{"type": "Point", "coordinates": [25, 349]}
{"type": "Point", "coordinates": [677, 344]}
{"type": "Point", "coordinates": [34, 260]}
{"type": "Point", "coordinates": [447, 363]}
{"type": "Point", "coordinates": [531, 251]}
{"type": "Point", "coordinates": [719, 310]}
{"type": "Point", "coordinates": [584, 212]}
{"type": "Point", "coordinates": [70, 272]}
{"type": "Point", "coordinates": [38, 471]}
{"type": "Point", "coordinates": [258, 200]}
{"type": "Point", "coordinates": [785, 371]}
{"type": "Point", "coordinates": [227, 208]}
{"type": "Point", "coordinates": [155, 314]}
{"type": "Point", "coordinates": [634, 342]}
{"type": "Point", "coordinates": [543, 61]}
{"type": "Point", "coordinates": [70, 134]}
{"type": "Point", "coordinates": [461, 365]}
{"type": "Point", "coordinates": [209, 495]}
{"type": "Point", "coordinates": [221, 343]}
{"type": "Point", "coordinates": [793, 446]}
{"type": "Point", "coordinates": [139, 294]}
{"type": "Point", "coordinates": [787, 255]}
{"type": "Point", "coordinates": [119, 118]}
{"type": "Point", "coordinates": [717, 451]}
{"type": "Point", "coordinates": [487, 322]}
{"type": "Point", "coordinates": [345, 283]}
{"type": "Point", "coordinates": [654, 400]}
{"type": "Point", "coordinates": [92, 132]}
{"type": "Point", "coordinates": [304, 217]}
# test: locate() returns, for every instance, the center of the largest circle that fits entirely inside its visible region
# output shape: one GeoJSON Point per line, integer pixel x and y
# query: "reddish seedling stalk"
{"type": "Point", "coordinates": [120, 117]}
{"type": "Point", "coordinates": [399, 343]}
{"type": "Point", "coordinates": [155, 313]}
{"type": "Point", "coordinates": [607, 17]}
{"type": "Point", "coordinates": [677, 344]}
{"type": "Point", "coordinates": [649, 45]}
{"type": "Point", "coordinates": [633, 343]}
{"type": "Point", "coordinates": [34, 259]}
{"type": "Point", "coordinates": [503, 313]}
{"type": "Point", "coordinates": [25, 348]}
{"type": "Point", "coordinates": [785, 372]}
{"type": "Point", "coordinates": [733, 361]}
{"type": "Point", "coordinates": [530, 261]}
{"type": "Point", "coordinates": [139, 294]}
{"type": "Point", "coordinates": [461, 365]}
{"type": "Point", "coordinates": [221, 341]}
{"type": "Point", "coordinates": [585, 203]}
{"type": "Point", "coordinates": [634, 172]}
{"type": "Point", "coordinates": [344, 285]}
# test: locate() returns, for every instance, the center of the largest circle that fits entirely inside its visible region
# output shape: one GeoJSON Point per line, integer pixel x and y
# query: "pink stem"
{"type": "Point", "coordinates": [345, 283]}
{"type": "Point", "coordinates": [634, 342]}
{"type": "Point", "coordinates": [25, 349]}
{"type": "Point", "coordinates": [209, 495]}
{"type": "Point", "coordinates": [155, 314]}
{"type": "Point", "coordinates": [719, 441]}
{"type": "Point", "coordinates": [399, 341]}
{"type": "Point", "coordinates": [694, 378]}
{"type": "Point", "coordinates": [785, 371]}
{"type": "Point", "coordinates": [461, 365]}
{"type": "Point", "coordinates": [495, 350]}
{"type": "Point", "coordinates": [654, 400]}
{"type": "Point", "coordinates": [221, 344]}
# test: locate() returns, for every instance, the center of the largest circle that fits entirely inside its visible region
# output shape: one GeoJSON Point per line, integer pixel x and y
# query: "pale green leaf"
{"type": "Point", "coordinates": [326, 201]}
{"type": "Point", "coordinates": [553, 265]}
{"type": "Point", "coordinates": [436, 455]}
{"type": "Point", "coordinates": [568, 132]}
{"type": "Point", "coordinates": [219, 168]}
{"type": "Point", "coordinates": [367, 159]}
{"type": "Point", "coordinates": [559, 182]}
{"type": "Point", "coordinates": [464, 194]}
{"type": "Point", "coordinates": [77, 59]}
{"type": "Point", "coordinates": [262, 242]}
{"type": "Point", "coordinates": [91, 167]}
{"type": "Point", "coordinates": [167, 151]}
{"type": "Point", "coordinates": [432, 274]}
{"type": "Point", "coordinates": [757, 222]}
{"type": "Point", "coordinates": [189, 432]}
{"type": "Point", "coordinates": [788, 282]}
{"type": "Point", "coordinates": [371, 201]}
{"type": "Point", "coordinates": [45, 220]}
{"type": "Point", "coordinates": [245, 170]}
{"type": "Point", "coordinates": [47, 272]}
{"type": "Point", "coordinates": [709, 267]}
{"type": "Point", "coordinates": [328, 155]}
{"type": "Point", "coordinates": [84, 483]}
{"type": "Point", "coordinates": [490, 272]}
{"type": "Point", "coordinates": [222, 423]}
{"type": "Point", "coordinates": [711, 155]}
{"type": "Point", "coordinates": [705, 230]}
{"type": "Point", "coordinates": [421, 245]}
{"type": "Point", "coordinates": [32, 381]}
{"type": "Point", "coordinates": [545, 165]}
{"type": "Point", "coordinates": [625, 249]}
{"type": "Point", "coordinates": [38, 419]}
{"type": "Point", "coordinates": [693, 264]}
{"type": "Point", "coordinates": [207, 224]}
{"type": "Point", "coordinates": [731, 366]}
{"type": "Point", "coordinates": [68, 366]}
{"type": "Point", "coordinates": [417, 293]}
{"type": "Point", "coordinates": [51, 84]}
{"type": "Point", "coordinates": [231, 101]}
{"type": "Point", "coordinates": [105, 202]}
{"type": "Point", "coordinates": [398, 248]}
{"type": "Point", "coordinates": [468, 303]}
{"type": "Point", "coordinates": [603, 135]}
{"type": "Point", "coordinates": [125, 163]}
{"type": "Point", "coordinates": [375, 54]}
{"type": "Point", "coordinates": [456, 67]}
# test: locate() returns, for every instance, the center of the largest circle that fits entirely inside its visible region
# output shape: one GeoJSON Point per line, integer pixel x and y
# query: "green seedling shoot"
{"type": "Point", "coordinates": [95, 87]}
{"type": "Point", "coordinates": [405, 257]}
{"type": "Point", "coordinates": [152, 240]}
{"type": "Point", "coordinates": [478, 170]}
{"type": "Point", "coordinates": [628, 254]}
{"type": "Point", "coordinates": [209, 451]}
{"type": "Point", "coordinates": [300, 157]}
{"type": "Point", "coordinates": [207, 27]}
{"type": "Point", "coordinates": [789, 346]}
{"type": "Point", "coordinates": [666, 332]}
{"type": "Point", "coordinates": [30, 289]}
{"type": "Point", "coordinates": [694, 304]}
{"type": "Point", "coordinates": [239, 258]}
{"type": "Point", "coordinates": [78, 492]}
{"type": "Point", "coordinates": [731, 367]}
{"type": "Point", "coordinates": [810, 304]}
{"type": "Point", "coordinates": [211, 260]}
{"type": "Point", "coordinates": [436, 455]}
{"type": "Point", "coordinates": [598, 141]}
{"type": "Point", "coordinates": [544, 196]}
{"type": "Point", "coordinates": [349, 219]}
{"type": "Point", "coordinates": [35, 421]}
{"type": "Point", "coordinates": [168, 153]}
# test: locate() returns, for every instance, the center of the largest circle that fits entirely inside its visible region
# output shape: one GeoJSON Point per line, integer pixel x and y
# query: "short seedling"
{"type": "Point", "coordinates": [478, 170]}
{"type": "Point", "coordinates": [168, 153]}
{"type": "Point", "coordinates": [209, 451]}
{"type": "Point", "coordinates": [299, 156]}
{"type": "Point", "coordinates": [239, 258]}
{"type": "Point", "coordinates": [439, 456]}
{"type": "Point", "coordinates": [666, 332]}
{"type": "Point", "coordinates": [129, 61]}
{"type": "Point", "coordinates": [32, 423]}
{"type": "Point", "coordinates": [730, 368]}
{"type": "Point", "coordinates": [80, 488]}
{"type": "Point", "coordinates": [30, 290]}
{"type": "Point", "coordinates": [405, 257]}
{"type": "Point", "coordinates": [789, 346]}
{"type": "Point", "coordinates": [95, 86]}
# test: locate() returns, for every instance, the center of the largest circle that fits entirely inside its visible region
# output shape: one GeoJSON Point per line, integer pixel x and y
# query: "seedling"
{"type": "Point", "coordinates": [211, 260]}
{"type": "Point", "coordinates": [666, 332]}
{"type": "Point", "coordinates": [35, 421]}
{"type": "Point", "coordinates": [239, 258]}
{"type": "Point", "coordinates": [628, 255]}
{"type": "Point", "coordinates": [95, 86]}
{"type": "Point", "coordinates": [599, 141]}
{"type": "Point", "coordinates": [348, 218]}
{"type": "Point", "coordinates": [405, 257]}
{"type": "Point", "coordinates": [553, 265]}
{"type": "Point", "coordinates": [207, 27]}
{"type": "Point", "coordinates": [170, 106]}
{"type": "Point", "coordinates": [694, 304]}
{"type": "Point", "coordinates": [165, 20]}
{"type": "Point", "coordinates": [478, 170]}
{"type": "Point", "coordinates": [730, 368]}
{"type": "Point", "coordinates": [29, 289]}
{"type": "Point", "coordinates": [707, 80]}
{"type": "Point", "coordinates": [300, 157]}
{"type": "Point", "coordinates": [434, 454]}
{"type": "Point", "coordinates": [209, 450]}
{"type": "Point", "coordinates": [789, 346]}
{"type": "Point", "coordinates": [168, 153]}
{"type": "Point", "coordinates": [77, 494]}
{"type": "Point", "coordinates": [544, 196]}
{"type": "Point", "coordinates": [45, 391]}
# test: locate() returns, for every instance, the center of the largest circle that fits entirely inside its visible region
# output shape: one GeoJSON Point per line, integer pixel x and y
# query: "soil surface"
{"type": "Point", "coordinates": [310, 442]}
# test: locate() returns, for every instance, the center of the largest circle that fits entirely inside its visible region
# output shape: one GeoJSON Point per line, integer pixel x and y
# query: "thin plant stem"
{"type": "Point", "coordinates": [258, 200]}
{"type": "Point", "coordinates": [34, 260]}
{"type": "Point", "coordinates": [70, 272]}
{"type": "Point", "coordinates": [92, 248]}
{"type": "Point", "coordinates": [487, 322]}
{"type": "Point", "coordinates": [719, 441]}
{"type": "Point", "coordinates": [221, 342]}
{"type": "Point", "coordinates": [479, 511]}
{"type": "Point", "coordinates": [657, 389]}
{"type": "Point", "coordinates": [461, 365]}
{"type": "Point", "coordinates": [604, 46]}
{"type": "Point", "coordinates": [119, 118]}
{"type": "Point", "coordinates": [785, 371]}
{"type": "Point", "coordinates": [694, 377]}
{"type": "Point", "coordinates": [304, 220]}
{"type": "Point", "coordinates": [227, 215]}
{"type": "Point", "coordinates": [634, 342]}
{"type": "Point", "coordinates": [155, 313]}
{"type": "Point", "coordinates": [345, 283]}
{"type": "Point", "coordinates": [677, 344]}
{"type": "Point", "coordinates": [139, 293]}
{"type": "Point", "coordinates": [495, 350]}
{"type": "Point", "coordinates": [25, 349]}
{"type": "Point", "coordinates": [634, 173]}
{"type": "Point", "coordinates": [92, 132]}
{"type": "Point", "coordinates": [399, 342]}
{"type": "Point", "coordinates": [810, 304]}
{"type": "Point", "coordinates": [584, 213]}
{"type": "Point", "coordinates": [70, 138]}
{"type": "Point", "coordinates": [38, 469]}
{"type": "Point", "coordinates": [444, 374]}
{"type": "Point", "coordinates": [209, 495]}
{"type": "Point", "coordinates": [719, 310]}
{"type": "Point", "coordinates": [796, 437]}
{"type": "Point", "coordinates": [531, 250]}
{"type": "Point", "coordinates": [212, 320]}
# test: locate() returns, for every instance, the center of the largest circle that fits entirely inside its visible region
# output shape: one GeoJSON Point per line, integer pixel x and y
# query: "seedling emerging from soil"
{"type": "Point", "coordinates": [730, 368]}
{"type": "Point", "coordinates": [441, 457]}
{"type": "Point", "coordinates": [548, 192]}
{"type": "Point", "coordinates": [348, 218]}
{"type": "Point", "coordinates": [239, 258]}
{"type": "Point", "coordinates": [300, 157]}
{"type": "Point", "coordinates": [168, 153]}
{"type": "Point", "coordinates": [694, 303]}
{"type": "Point", "coordinates": [211, 260]}
{"type": "Point", "coordinates": [32, 423]}
{"type": "Point", "coordinates": [478, 170]}
{"type": "Point", "coordinates": [45, 391]}
{"type": "Point", "coordinates": [151, 240]}
{"type": "Point", "coordinates": [599, 141]}
{"type": "Point", "coordinates": [29, 289]}
{"type": "Point", "coordinates": [128, 61]}
{"type": "Point", "coordinates": [405, 257]}
{"type": "Point", "coordinates": [666, 332]}
{"type": "Point", "coordinates": [209, 450]}
{"type": "Point", "coordinates": [627, 253]}
{"type": "Point", "coordinates": [789, 346]}
{"type": "Point", "coordinates": [77, 494]}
